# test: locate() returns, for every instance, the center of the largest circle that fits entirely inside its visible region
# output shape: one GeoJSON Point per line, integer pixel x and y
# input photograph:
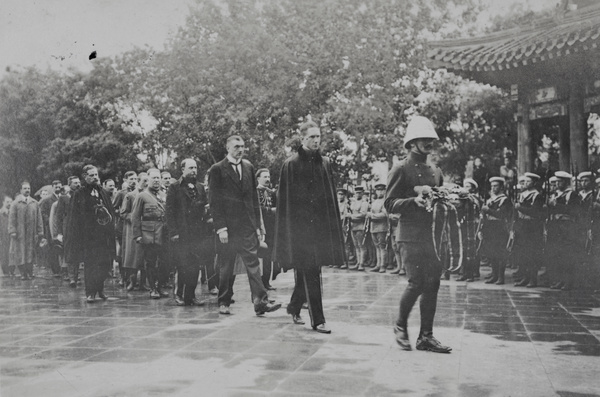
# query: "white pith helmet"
{"type": "Point", "coordinates": [419, 127]}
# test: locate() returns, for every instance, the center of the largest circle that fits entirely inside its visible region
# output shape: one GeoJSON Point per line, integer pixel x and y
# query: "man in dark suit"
{"type": "Point", "coordinates": [192, 239]}
{"type": "Point", "coordinates": [62, 210]}
{"type": "Point", "coordinates": [49, 253]}
{"type": "Point", "coordinates": [91, 233]}
{"type": "Point", "coordinates": [236, 215]}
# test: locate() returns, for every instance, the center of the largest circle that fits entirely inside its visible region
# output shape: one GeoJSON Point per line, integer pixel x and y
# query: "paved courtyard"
{"type": "Point", "coordinates": [506, 342]}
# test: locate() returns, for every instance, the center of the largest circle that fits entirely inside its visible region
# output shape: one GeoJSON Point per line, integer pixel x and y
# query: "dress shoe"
{"type": "Point", "coordinates": [382, 270]}
{"type": "Point", "coordinates": [197, 302]}
{"type": "Point", "coordinates": [344, 266]}
{"type": "Point", "coordinates": [522, 283]}
{"type": "Point", "coordinates": [214, 291]}
{"type": "Point", "coordinates": [179, 301]}
{"type": "Point", "coordinates": [531, 285]}
{"type": "Point", "coordinates": [297, 319]}
{"type": "Point", "coordinates": [361, 268]}
{"type": "Point", "coordinates": [90, 299]}
{"type": "Point", "coordinates": [353, 267]}
{"type": "Point", "coordinates": [102, 296]}
{"type": "Point", "coordinates": [491, 280]}
{"type": "Point", "coordinates": [271, 288]}
{"type": "Point", "coordinates": [375, 270]}
{"type": "Point", "coordinates": [224, 309]}
{"type": "Point", "coordinates": [396, 270]}
{"type": "Point", "coordinates": [163, 294]}
{"type": "Point", "coordinates": [154, 294]}
{"type": "Point", "coordinates": [263, 308]}
{"type": "Point", "coordinates": [402, 272]}
{"type": "Point", "coordinates": [429, 343]}
{"type": "Point", "coordinates": [402, 338]}
{"type": "Point", "coordinates": [322, 328]}
{"type": "Point", "coordinates": [73, 284]}
{"type": "Point", "coordinates": [500, 282]}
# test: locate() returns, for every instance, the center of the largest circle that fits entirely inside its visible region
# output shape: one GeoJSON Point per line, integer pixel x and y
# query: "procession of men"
{"type": "Point", "coordinates": [168, 235]}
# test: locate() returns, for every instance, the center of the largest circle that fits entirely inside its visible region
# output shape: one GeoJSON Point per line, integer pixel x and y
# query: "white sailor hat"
{"type": "Point", "coordinates": [471, 181]}
{"type": "Point", "coordinates": [531, 175]}
{"type": "Point", "coordinates": [598, 180]}
{"type": "Point", "coordinates": [563, 174]}
{"type": "Point", "coordinates": [585, 174]}
{"type": "Point", "coordinates": [497, 179]}
{"type": "Point", "coordinates": [523, 178]}
{"type": "Point", "coordinates": [553, 179]}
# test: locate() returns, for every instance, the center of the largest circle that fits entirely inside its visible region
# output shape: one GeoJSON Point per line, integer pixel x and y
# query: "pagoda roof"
{"type": "Point", "coordinates": [550, 38]}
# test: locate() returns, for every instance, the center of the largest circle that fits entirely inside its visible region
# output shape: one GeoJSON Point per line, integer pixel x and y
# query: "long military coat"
{"type": "Point", "coordinates": [308, 218]}
{"type": "Point", "coordinates": [25, 220]}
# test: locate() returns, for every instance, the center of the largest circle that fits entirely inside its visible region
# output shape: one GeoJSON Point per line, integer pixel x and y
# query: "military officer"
{"type": "Point", "coordinates": [494, 229]}
{"type": "Point", "coordinates": [148, 221]}
{"type": "Point", "coordinates": [409, 184]}
{"type": "Point", "coordinates": [344, 206]}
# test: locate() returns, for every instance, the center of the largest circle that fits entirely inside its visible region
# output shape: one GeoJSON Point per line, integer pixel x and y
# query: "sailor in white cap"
{"type": "Point", "coordinates": [529, 231]}
{"type": "Point", "coordinates": [564, 245]}
{"type": "Point", "coordinates": [493, 234]}
{"type": "Point", "coordinates": [408, 183]}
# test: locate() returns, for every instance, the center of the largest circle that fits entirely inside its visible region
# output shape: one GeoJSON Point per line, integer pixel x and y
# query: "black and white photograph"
{"type": "Point", "coordinates": [299, 198]}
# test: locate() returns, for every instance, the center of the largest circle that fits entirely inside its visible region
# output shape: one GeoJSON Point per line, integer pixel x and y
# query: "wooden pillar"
{"type": "Point", "coordinates": [564, 151]}
{"type": "Point", "coordinates": [525, 149]}
{"type": "Point", "coordinates": [577, 127]}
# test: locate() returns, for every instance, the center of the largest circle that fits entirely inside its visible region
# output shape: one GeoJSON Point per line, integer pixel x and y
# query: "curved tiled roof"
{"type": "Point", "coordinates": [577, 31]}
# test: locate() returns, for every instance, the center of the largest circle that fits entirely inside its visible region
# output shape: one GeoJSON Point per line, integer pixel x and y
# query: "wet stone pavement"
{"type": "Point", "coordinates": [506, 341]}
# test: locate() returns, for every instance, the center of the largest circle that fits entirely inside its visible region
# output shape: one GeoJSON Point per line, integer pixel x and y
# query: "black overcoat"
{"type": "Point", "coordinates": [187, 213]}
{"type": "Point", "coordinates": [89, 239]}
{"type": "Point", "coordinates": [308, 218]}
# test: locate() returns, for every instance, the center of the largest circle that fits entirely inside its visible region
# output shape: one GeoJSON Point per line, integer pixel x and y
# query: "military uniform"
{"type": "Point", "coordinates": [148, 223]}
{"type": "Point", "coordinates": [344, 207]}
{"type": "Point", "coordinates": [565, 244]}
{"type": "Point", "coordinates": [358, 216]}
{"type": "Point", "coordinates": [379, 229]}
{"type": "Point", "coordinates": [494, 230]}
{"type": "Point", "coordinates": [529, 235]}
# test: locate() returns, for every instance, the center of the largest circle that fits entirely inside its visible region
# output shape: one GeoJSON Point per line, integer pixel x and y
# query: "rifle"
{"type": "Point", "coordinates": [480, 225]}
{"type": "Point", "coordinates": [589, 240]}
{"type": "Point", "coordinates": [546, 201]}
{"type": "Point", "coordinates": [511, 229]}
{"type": "Point", "coordinates": [367, 230]}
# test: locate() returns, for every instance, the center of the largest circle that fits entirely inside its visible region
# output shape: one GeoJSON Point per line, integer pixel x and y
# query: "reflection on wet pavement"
{"type": "Point", "coordinates": [506, 341]}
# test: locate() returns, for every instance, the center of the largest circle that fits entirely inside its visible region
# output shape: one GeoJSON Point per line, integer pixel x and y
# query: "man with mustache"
{"type": "Point", "coordinates": [91, 233]}
{"type": "Point", "coordinates": [409, 184]}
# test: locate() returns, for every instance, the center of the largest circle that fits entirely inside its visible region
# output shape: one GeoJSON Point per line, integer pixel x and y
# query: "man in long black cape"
{"type": "Point", "coordinates": [308, 229]}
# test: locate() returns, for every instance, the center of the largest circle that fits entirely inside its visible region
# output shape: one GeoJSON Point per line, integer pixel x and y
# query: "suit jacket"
{"type": "Point", "coordinates": [45, 207]}
{"type": "Point", "coordinates": [148, 218]}
{"type": "Point", "coordinates": [233, 202]}
{"type": "Point", "coordinates": [187, 212]}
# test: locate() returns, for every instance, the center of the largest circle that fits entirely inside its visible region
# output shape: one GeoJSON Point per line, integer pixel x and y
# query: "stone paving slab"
{"type": "Point", "coordinates": [506, 341]}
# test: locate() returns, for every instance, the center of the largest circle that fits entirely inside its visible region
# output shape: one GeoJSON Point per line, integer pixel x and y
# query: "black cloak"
{"type": "Point", "coordinates": [308, 230]}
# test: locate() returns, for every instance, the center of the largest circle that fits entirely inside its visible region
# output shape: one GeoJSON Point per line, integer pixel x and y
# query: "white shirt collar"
{"type": "Point", "coordinates": [232, 160]}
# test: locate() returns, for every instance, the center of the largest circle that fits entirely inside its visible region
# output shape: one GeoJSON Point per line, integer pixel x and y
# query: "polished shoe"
{"type": "Point", "coordinates": [270, 288]}
{"type": "Point", "coordinates": [531, 285]}
{"type": "Point", "coordinates": [90, 299]}
{"type": "Point", "coordinates": [491, 280]}
{"type": "Point", "coordinates": [102, 296]}
{"type": "Point", "coordinates": [402, 338]}
{"type": "Point", "coordinates": [375, 270]}
{"type": "Point", "coordinates": [500, 282]}
{"type": "Point", "coordinates": [395, 270]}
{"type": "Point", "coordinates": [263, 308]}
{"type": "Point", "coordinates": [344, 266]}
{"type": "Point", "coordinates": [224, 309]}
{"type": "Point", "coordinates": [353, 267]}
{"type": "Point", "coordinates": [179, 301]}
{"type": "Point", "coordinates": [154, 294]}
{"type": "Point", "coordinates": [382, 270]}
{"type": "Point", "coordinates": [297, 319]}
{"type": "Point", "coordinates": [402, 272]}
{"type": "Point", "coordinates": [214, 291]}
{"type": "Point", "coordinates": [558, 285]}
{"type": "Point", "coordinates": [197, 302]}
{"type": "Point", "coordinates": [522, 283]}
{"type": "Point", "coordinates": [163, 294]}
{"type": "Point", "coordinates": [429, 343]}
{"type": "Point", "coordinates": [322, 328]}
{"type": "Point", "coordinates": [73, 284]}
{"type": "Point", "coordinates": [361, 268]}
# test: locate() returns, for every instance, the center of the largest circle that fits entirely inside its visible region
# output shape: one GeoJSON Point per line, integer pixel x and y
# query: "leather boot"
{"type": "Point", "coordinates": [501, 271]}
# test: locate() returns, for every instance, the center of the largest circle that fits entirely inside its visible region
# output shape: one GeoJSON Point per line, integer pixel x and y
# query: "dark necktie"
{"type": "Point", "coordinates": [237, 171]}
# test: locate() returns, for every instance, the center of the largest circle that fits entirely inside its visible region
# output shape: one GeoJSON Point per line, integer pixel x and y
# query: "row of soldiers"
{"type": "Point", "coordinates": [528, 223]}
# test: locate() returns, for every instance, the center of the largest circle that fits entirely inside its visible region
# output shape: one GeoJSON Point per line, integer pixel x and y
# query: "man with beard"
{"type": "Point", "coordinates": [408, 191]}
{"type": "Point", "coordinates": [308, 230]}
{"type": "Point", "coordinates": [50, 254]}
{"type": "Point", "coordinates": [236, 217]}
{"type": "Point", "coordinates": [192, 239]}
{"type": "Point", "coordinates": [148, 219]}
{"type": "Point", "coordinates": [91, 233]}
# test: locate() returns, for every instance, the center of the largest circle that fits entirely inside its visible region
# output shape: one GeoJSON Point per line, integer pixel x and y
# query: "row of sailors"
{"type": "Point", "coordinates": [558, 228]}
